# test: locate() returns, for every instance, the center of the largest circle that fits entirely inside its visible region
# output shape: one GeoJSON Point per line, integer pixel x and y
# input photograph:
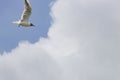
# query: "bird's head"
{"type": "Point", "coordinates": [32, 24]}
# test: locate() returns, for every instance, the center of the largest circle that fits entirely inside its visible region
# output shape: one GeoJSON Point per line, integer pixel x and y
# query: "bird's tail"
{"type": "Point", "coordinates": [15, 22]}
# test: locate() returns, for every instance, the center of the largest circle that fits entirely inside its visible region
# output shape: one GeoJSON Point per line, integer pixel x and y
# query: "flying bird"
{"type": "Point", "coordinates": [24, 21]}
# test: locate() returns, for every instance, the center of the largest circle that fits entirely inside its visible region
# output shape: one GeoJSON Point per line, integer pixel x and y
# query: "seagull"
{"type": "Point", "coordinates": [25, 16]}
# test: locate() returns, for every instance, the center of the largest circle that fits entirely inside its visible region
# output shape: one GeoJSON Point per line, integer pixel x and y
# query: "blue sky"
{"type": "Point", "coordinates": [10, 34]}
{"type": "Point", "coordinates": [83, 41]}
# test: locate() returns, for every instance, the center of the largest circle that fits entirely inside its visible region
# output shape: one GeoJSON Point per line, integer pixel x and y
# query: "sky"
{"type": "Point", "coordinates": [11, 35]}
{"type": "Point", "coordinates": [80, 42]}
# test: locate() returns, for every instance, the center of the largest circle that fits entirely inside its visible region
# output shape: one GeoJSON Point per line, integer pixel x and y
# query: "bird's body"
{"type": "Point", "coordinates": [24, 21]}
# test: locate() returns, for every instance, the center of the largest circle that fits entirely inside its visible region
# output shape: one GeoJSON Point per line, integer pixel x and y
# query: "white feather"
{"type": "Point", "coordinates": [25, 15]}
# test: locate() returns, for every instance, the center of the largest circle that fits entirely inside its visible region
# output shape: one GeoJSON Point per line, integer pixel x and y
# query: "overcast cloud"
{"type": "Point", "coordinates": [83, 44]}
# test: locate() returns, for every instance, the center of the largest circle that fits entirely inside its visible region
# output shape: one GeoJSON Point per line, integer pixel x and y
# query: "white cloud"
{"type": "Point", "coordinates": [83, 44]}
{"type": "Point", "coordinates": [28, 62]}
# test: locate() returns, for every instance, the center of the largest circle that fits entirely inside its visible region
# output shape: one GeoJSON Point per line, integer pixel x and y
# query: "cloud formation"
{"type": "Point", "coordinates": [83, 44]}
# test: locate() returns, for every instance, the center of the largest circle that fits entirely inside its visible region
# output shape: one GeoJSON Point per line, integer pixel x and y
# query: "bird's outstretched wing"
{"type": "Point", "coordinates": [27, 11]}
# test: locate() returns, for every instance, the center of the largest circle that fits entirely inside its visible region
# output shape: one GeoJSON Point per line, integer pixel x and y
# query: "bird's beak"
{"type": "Point", "coordinates": [33, 25]}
